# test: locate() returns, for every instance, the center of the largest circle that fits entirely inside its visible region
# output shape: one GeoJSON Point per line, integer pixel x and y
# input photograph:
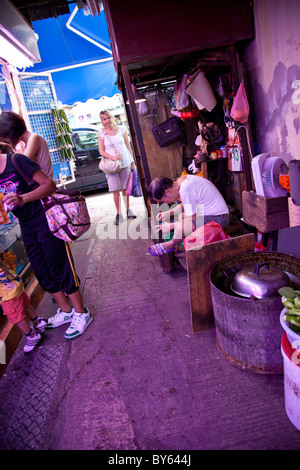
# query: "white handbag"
{"type": "Point", "coordinates": [110, 166]}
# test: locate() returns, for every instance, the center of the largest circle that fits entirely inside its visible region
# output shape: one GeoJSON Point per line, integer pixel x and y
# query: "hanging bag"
{"type": "Point", "coordinates": [65, 210]}
{"type": "Point", "coordinates": [166, 132]}
{"type": "Point", "coordinates": [129, 185]}
{"type": "Point", "coordinates": [106, 164]}
{"type": "Point", "coordinates": [182, 99]}
{"type": "Point", "coordinates": [136, 190]}
{"type": "Point", "coordinates": [240, 106]}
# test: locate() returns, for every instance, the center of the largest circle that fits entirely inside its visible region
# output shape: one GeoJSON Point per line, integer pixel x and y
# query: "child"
{"type": "Point", "coordinates": [16, 306]}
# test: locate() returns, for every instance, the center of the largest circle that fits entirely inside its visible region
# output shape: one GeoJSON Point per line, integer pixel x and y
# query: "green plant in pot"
{"type": "Point", "coordinates": [290, 315]}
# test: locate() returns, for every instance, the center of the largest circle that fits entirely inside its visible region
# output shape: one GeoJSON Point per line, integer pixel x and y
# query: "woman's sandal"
{"type": "Point", "coordinates": [158, 249]}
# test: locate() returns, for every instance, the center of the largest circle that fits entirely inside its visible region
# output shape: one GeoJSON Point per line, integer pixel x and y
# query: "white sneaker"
{"type": "Point", "coordinates": [79, 324]}
{"type": "Point", "coordinates": [32, 342]}
{"type": "Point", "coordinates": [60, 318]}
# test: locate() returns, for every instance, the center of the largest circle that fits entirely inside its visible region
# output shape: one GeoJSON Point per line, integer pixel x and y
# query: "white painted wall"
{"type": "Point", "coordinates": [273, 75]}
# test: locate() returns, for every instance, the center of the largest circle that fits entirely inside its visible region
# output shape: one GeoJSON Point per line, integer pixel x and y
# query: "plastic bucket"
{"type": "Point", "coordinates": [293, 338]}
{"type": "Point", "coordinates": [291, 367]}
{"type": "Point", "coordinates": [200, 90]}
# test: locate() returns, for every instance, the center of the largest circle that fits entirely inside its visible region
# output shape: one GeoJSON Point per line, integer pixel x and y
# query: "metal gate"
{"type": "Point", "coordinates": [37, 96]}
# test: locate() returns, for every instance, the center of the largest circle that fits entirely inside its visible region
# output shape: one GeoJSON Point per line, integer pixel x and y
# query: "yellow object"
{"type": "Point", "coordinates": [11, 285]}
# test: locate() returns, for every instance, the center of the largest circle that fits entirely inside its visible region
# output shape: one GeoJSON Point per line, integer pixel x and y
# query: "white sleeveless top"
{"type": "Point", "coordinates": [119, 143]}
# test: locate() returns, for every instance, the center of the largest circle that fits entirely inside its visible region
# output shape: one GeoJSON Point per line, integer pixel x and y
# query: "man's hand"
{"type": "Point", "coordinates": [164, 227]}
{"type": "Point", "coordinates": [163, 216]}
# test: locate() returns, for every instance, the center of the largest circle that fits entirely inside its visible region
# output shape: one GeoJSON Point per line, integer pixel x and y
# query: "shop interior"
{"type": "Point", "coordinates": [194, 90]}
{"type": "Point", "coordinates": [215, 137]}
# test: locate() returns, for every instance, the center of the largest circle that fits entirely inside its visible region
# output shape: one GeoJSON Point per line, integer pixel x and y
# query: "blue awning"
{"type": "Point", "coordinates": [75, 49]}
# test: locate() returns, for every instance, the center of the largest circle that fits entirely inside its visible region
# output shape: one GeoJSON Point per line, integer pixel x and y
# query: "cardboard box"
{"type": "Point", "coordinates": [266, 214]}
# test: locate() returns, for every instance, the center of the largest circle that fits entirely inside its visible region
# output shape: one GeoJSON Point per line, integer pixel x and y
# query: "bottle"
{"type": "Point", "coordinates": [224, 151]}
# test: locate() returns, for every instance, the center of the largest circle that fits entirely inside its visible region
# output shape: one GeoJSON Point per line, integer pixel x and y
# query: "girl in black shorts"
{"type": "Point", "coordinates": [49, 256]}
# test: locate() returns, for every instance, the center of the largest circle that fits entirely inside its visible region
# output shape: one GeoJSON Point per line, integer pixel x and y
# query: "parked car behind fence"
{"type": "Point", "coordinates": [88, 176]}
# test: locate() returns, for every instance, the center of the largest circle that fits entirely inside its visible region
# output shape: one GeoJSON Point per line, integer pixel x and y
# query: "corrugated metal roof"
{"type": "Point", "coordinates": [34, 10]}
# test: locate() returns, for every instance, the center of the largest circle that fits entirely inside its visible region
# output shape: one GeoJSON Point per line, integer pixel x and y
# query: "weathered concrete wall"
{"type": "Point", "coordinates": [273, 74]}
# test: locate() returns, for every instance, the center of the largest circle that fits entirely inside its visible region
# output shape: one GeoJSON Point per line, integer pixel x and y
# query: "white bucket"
{"type": "Point", "coordinates": [292, 336]}
{"type": "Point", "coordinates": [291, 368]}
{"type": "Point", "coordinates": [200, 90]}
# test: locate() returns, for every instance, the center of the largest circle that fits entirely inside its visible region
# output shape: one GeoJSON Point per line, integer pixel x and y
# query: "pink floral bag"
{"type": "Point", "coordinates": [67, 214]}
{"type": "Point", "coordinates": [65, 210]}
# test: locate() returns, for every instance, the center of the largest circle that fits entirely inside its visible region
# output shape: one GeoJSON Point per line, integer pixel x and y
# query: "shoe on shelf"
{"type": "Point", "coordinates": [60, 318]}
{"type": "Point", "coordinates": [130, 214]}
{"type": "Point", "coordinates": [80, 322]}
{"type": "Point", "coordinates": [32, 341]}
{"type": "Point", "coordinates": [40, 326]}
{"type": "Point", "coordinates": [119, 218]}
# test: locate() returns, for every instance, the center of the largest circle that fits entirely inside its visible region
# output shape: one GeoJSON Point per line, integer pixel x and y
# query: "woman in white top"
{"type": "Point", "coordinates": [114, 144]}
{"type": "Point", "coordinates": [13, 128]}
{"type": "Point", "coordinates": [201, 202]}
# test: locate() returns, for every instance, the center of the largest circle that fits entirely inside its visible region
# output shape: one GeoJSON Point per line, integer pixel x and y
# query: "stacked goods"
{"type": "Point", "coordinates": [63, 134]}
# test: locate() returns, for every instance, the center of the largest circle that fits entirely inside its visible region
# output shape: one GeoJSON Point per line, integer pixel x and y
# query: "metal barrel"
{"type": "Point", "coordinates": [248, 331]}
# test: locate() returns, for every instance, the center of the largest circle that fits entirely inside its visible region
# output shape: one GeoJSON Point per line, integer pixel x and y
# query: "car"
{"type": "Point", "coordinates": [88, 176]}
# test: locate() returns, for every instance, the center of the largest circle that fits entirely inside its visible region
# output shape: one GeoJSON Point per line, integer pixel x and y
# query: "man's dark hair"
{"type": "Point", "coordinates": [158, 187]}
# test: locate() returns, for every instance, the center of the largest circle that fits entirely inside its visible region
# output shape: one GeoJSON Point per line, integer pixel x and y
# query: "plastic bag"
{"type": "Point", "coordinates": [258, 246]}
{"type": "Point", "coordinates": [129, 185]}
{"type": "Point", "coordinates": [208, 233]}
{"type": "Point", "coordinates": [136, 188]}
{"type": "Point", "coordinates": [240, 106]}
{"type": "Point", "coordinates": [182, 100]}
{"type": "Point", "coordinates": [143, 108]}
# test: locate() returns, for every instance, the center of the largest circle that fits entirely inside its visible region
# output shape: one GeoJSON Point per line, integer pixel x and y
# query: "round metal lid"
{"type": "Point", "coordinates": [261, 282]}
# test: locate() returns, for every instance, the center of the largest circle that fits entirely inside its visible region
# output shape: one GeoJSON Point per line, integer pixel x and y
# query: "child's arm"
{"type": "Point", "coordinates": [45, 188]}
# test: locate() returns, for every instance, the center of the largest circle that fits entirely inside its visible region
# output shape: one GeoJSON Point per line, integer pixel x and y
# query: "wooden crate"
{"type": "Point", "coordinates": [266, 214]}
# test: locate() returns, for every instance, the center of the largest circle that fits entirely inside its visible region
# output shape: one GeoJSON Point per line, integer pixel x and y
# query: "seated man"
{"type": "Point", "coordinates": [201, 202]}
